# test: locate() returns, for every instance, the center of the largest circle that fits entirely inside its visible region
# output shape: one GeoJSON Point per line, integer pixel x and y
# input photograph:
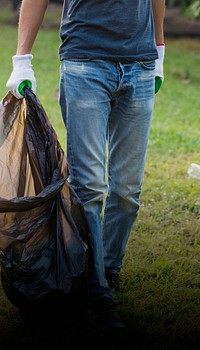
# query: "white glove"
{"type": "Point", "coordinates": [22, 72]}
{"type": "Point", "coordinates": [159, 74]}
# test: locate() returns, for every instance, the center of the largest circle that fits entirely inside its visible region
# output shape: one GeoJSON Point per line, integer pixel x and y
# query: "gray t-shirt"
{"type": "Point", "coordinates": [120, 30]}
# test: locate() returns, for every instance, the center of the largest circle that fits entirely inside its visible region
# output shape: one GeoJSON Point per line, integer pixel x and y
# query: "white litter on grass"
{"type": "Point", "coordinates": [194, 171]}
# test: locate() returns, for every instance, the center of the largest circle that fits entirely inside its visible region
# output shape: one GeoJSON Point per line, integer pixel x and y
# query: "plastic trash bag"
{"type": "Point", "coordinates": [45, 250]}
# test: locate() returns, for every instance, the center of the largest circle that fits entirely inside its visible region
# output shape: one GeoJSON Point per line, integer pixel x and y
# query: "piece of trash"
{"type": "Point", "coordinates": [46, 259]}
{"type": "Point", "coordinates": [194, 171]}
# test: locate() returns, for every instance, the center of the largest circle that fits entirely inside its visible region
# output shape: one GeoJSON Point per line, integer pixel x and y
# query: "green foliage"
{"type": "Point", "coordinates": [191, 8]}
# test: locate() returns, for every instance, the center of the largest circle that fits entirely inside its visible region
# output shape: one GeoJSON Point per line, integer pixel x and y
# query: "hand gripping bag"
{"type": "Point", "coordinates": [45, 248]}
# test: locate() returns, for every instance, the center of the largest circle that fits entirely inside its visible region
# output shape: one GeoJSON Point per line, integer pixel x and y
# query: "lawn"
{"type": "Point", "coordinates": [160, 279]}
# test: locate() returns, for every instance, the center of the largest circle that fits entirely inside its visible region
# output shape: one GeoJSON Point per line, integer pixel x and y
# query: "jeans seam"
{"type": "Point", "coordinates": [72, 168]}
{"type": "Point", "coordinates": [108, 197]}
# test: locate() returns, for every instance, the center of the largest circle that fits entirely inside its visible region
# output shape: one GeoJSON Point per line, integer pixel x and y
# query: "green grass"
{"type": "Point", "coordinates": [160, 278]}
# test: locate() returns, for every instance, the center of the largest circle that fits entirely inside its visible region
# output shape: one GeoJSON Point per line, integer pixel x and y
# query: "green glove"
{"type": "Point", "coordinates": [22, 75]}
{"type": "Point", "coordinates": [25, 83]}
{"type": "Point", "coordinates": [158, 83]}
{"type": "Point", "coordinates": [159, 75]}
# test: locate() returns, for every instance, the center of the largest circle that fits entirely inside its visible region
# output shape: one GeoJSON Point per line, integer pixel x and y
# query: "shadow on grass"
{"type": "Point", "coordinates": [60, 331]}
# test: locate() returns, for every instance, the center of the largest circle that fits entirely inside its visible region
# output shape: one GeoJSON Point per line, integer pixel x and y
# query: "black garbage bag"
{"type": "Point", "coordinates": [45, 248]}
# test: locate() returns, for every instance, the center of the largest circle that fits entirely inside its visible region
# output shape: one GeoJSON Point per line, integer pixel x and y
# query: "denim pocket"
{"type": "Point", "coordinates": [147, 65]}
{"type": "Point", "coordinates": [78, 59]}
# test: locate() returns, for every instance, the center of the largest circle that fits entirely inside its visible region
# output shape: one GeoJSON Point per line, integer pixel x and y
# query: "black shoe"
{"type": "Point", "coordinates": [112, 277]}
{"type": "Point", "coordinates": [104, 311]}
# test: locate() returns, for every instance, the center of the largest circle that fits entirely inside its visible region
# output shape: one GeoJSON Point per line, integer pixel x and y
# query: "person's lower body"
{"type": "Point", "coordinates": [107, 109]}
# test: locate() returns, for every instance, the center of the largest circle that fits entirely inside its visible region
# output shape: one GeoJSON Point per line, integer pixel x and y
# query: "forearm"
{"type": "Point", "coordinates": [30, 19]}
{"type": "Point", "coordinates": [159, 15]}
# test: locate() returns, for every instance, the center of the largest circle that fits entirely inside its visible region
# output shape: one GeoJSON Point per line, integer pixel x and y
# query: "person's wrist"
{"type": "Point", "coordinates": [161, 50]}
{"type": "Point", "coordinates": [21, 60]}
{"type": "Point", "coordinates": [21, 57]}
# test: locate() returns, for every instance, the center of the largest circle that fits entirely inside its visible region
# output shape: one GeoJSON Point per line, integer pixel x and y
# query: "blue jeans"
{"type": "Point", "coordinates": [107, 109]}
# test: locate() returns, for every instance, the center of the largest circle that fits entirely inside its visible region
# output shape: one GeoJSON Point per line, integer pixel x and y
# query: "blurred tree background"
{"type": "Point", "coordinates": [190, 8]}
{"type": "Point", "coordinates": [15, 4]}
